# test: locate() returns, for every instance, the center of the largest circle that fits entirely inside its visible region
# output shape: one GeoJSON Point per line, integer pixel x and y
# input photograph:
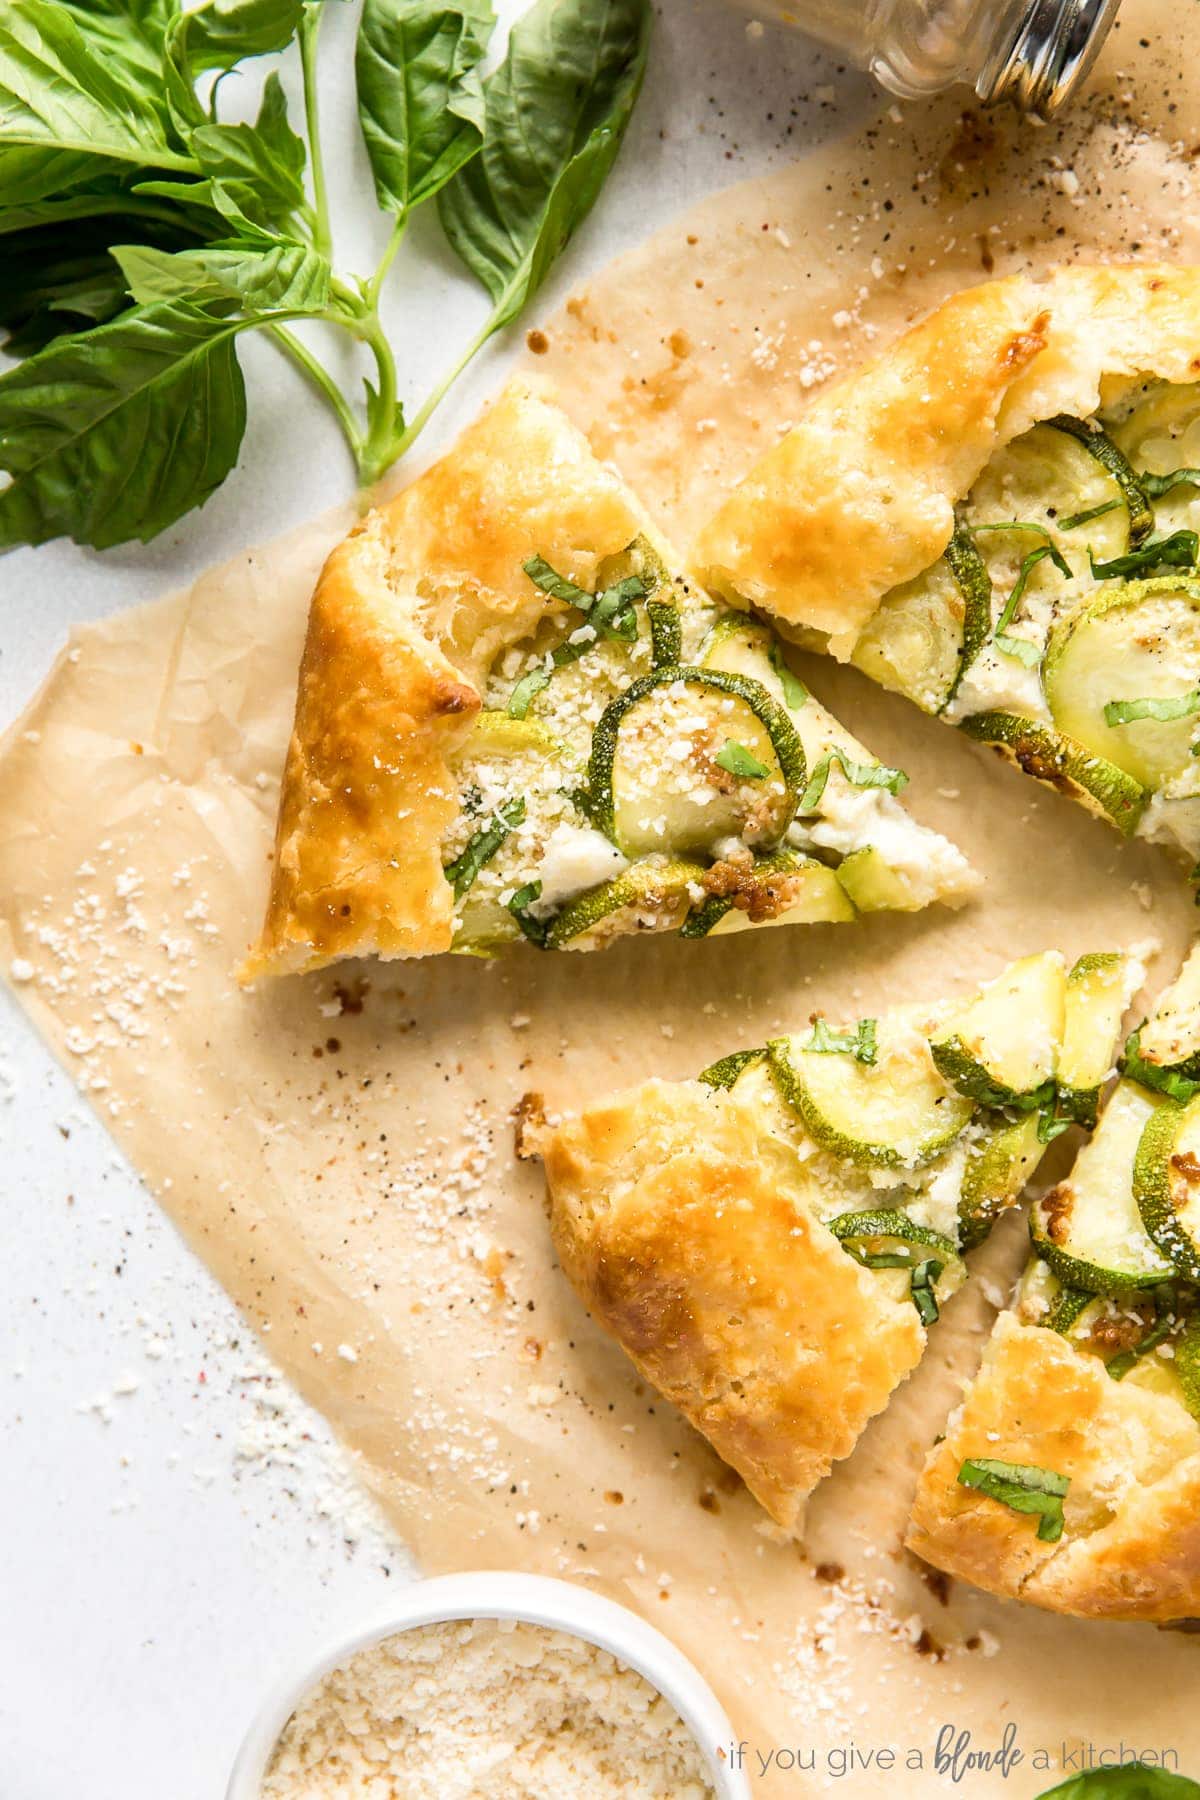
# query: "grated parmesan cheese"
{"type": "Point", "coordinates": [484, 1709]}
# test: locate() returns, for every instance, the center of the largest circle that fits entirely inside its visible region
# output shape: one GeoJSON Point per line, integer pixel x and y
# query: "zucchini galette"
{"type": "Point", "coordinates": [999, 518]}
{"type": "Point", "coordinates": [517, 721]}
{"type": "Point", "coordinates": [1070, 1477]}
{"type": "Point", "coordinates": [771, 1242]}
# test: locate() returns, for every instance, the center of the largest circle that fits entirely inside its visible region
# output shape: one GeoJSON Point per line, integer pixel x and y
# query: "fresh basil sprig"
{"type": "Point", "coordinates": [735, 759]}
{"type": "Point", "coordinates": [142, 234]}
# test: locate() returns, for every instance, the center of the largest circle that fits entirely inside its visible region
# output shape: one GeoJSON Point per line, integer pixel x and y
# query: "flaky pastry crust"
{"type": "Point", "coordinates": [1131, 1544]}
{"type": "Point", "coordinates": [408, 615]}
{"type": "Point", "coordinates": [860, 496]}
{"type": "Point", "coordinates": [688, 1235]}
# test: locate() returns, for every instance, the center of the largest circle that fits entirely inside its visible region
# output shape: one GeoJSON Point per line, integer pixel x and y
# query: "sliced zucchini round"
{"type": "Point", "coordinates": [657, 891]}
{"type": "Point", "coordinates": [1139, 640]}
{"type": "Point", "coordinates": [1089, 1228]}
{"type": "Point", "coordinates": [495, 733]}
{"type": "Point", "coordinates": [740, 645]}
{"type": "Point", "coordinates": [1187, 1364]}
{"type": "Point", "coordinates": [888, 1239]}
{"type": "Point", "coordinates": [1072, 481]}
{"type": "Point", "coordinates": [1096, 997]}
{"type": "Point", "coordinates": [1166, 1179]}
{"type": "Point", "coordinates": [1001, 1047]}
{"type": "Point", "coordinates": [1059, 761]}
{"type": "Point", "coordinates": [995, 1176]}
{"type": "Point", "coordinates": [925, 634]}
{"type": "Point", "coordinates": [896, 1112]}
{"type": "Point", "coordinates": [786, 888]}
{"type": "Point", "coordinates": [1164, 1053]}
{"type": "Point", "coordinates": [741, 772]}
{"type": "Point", "coordinates": [1159, 432]}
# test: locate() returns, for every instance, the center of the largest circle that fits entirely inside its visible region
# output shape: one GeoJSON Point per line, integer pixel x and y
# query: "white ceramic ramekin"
{"type": "Point", "coordinates": [538, 1600]}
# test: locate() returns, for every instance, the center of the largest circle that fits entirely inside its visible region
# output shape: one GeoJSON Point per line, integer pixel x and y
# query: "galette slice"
{"type": "Point", "coordinates": [519, 722]}
{"type": "Point", "coordinates": [1000, 519]}
{"type": "Point", "coordinates": [771, 1242]}
{"type": "Point", "coordinates": [1070, 1477]}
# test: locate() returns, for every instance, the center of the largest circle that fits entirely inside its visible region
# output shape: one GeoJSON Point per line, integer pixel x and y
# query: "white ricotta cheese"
{"type": "Point", "coordinates": [576, 858]}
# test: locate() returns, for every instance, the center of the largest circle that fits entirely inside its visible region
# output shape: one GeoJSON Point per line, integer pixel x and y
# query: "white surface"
{"type": "Point", "coordinates": [155, 1583]}
{"type": "Point", "coordinates": [537, 1600]}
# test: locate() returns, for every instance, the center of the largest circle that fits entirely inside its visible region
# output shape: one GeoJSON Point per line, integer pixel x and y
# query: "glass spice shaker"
{"type": "Point", "coordinates": [1035, 52]}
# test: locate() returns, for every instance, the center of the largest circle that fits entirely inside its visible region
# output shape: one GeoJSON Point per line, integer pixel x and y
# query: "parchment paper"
{"type": "Point", "coordinates": [339, 1149]}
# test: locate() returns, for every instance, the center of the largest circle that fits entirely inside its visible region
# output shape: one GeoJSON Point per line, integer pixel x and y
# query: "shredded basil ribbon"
{"type": "Point", "coordinates": [1073, 520]}
{"type": "Point", "coordinates": [1023, 1487]}
{"type": "Point", "coordinates": [1048, 1127]}
{"type": "Point", "coordinates": [1158, 485]}
{"type": "Point", "coordinates": [1021, 649]}
{"type": "Point", "coordinates": [1125, 712]}
{"type": "Point", "coordinates": [862, 1043]}
{"type": "Point", "coordinates": [795, 694]}
{"type": "Point", "coordinates": [921, 1288]}
{"type": "Point", "coordinates": [483, 846]}
{"type": "Point", "coordinates": [609, 613]}
{"type": "Point", "coordinates": [864, 775]}
{"type": "Point", "coordinates": [1177, 551]}
{"type": "Point", "coordinates": [518, 905]}
{"type": "Point", "coordinates": [735, 759]}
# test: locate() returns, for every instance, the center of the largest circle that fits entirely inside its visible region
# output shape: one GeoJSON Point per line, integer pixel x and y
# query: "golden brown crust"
{"type": "Point", "coordinates": [406, 619]}
{"type": "Point", "coordinates": [1131, 1546]}
{"type": "Point", "coordinates": [686, 1231]}
{"type": "Point", "coordinates": [860, 496]}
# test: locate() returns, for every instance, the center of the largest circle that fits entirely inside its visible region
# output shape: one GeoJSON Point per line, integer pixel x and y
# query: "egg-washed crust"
{"type": "Point", "coordinates": [1131, 1544]}
{"type": "Point", "coordinates": [860, 496]}
{"type": "Point", "coordinates": [407, 617]}
{"type": "Point", "coordinates": [684, 1230]}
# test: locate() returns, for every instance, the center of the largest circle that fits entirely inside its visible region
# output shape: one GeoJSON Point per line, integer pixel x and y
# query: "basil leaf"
{"type": "Point", "coordinates": [534, 929]}
{"type": "Point", "coordinates": [223, 32]}
{"type": "Point", "coordinates": [54, 282]}
{"type": "Point", "coordinates": [117, 432]}
{"type": "Point", "coordinates": [609, 612]}
{"type": "Point", "coordinates": [1130, 1781]}
{"type": "Point", "coordinates": [574, 67]}
{"type": "Point", "coordinates": [32, 174]}
{"type": "Point", "coordinates": [279, 277]}
{"type": "Point", "coordinates": [1022, 650]}
{"type": "Point", "coordinates": [483, 846]}
{"type": "Point", "coordinates": [59, 93]}
{"type": "Point", "coordinates": [795, 694]}
{"type": "Point", "coordinates": [1023, 1487]}
{"type": "Point", "coordinates": [1176, 551]}
{"type": "Point", "coordinates": [1158, 485]}
{"type": "Point", "coordinates": [1125, 712]}
{"type": "Point", "coordinates": [261, 165]}
{"type": "Point", "coordinates": [129, 33]}
{"type": "Point", "coordinates": [1049, 1128]}
{"type": "Point", "coordinates": [921, 1288]}
{"type": "Point", "coordinates": [864, 775]}
{"type": "Point", "coordinates": [420, 97]}
{"type": "Point", "coordinates": [861, 1043]}
{"type": "Point", "coordinates": [735, 759]}
{"type": "Point", "coordinates": [1073, 520]}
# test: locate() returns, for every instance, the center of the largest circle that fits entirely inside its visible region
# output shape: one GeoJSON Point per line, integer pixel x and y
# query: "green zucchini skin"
{"type": "Point", "coordinates": [1179, 1081]}
{"type": "Point", "coordinates": [1059, 762]}
{"type": "Point", "coordinates": [995, 1177]}
{"type": "Point", "coordinates": [1097, 443]}
{"type": "Point", "coordinates": [971, 577]}
{"type": "Point", "coordinates": [771, 715]}
{"type": "Point", "coordinates": [1157, 1158]}
{"type": "Point", "coordinates": [725, 1071]}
